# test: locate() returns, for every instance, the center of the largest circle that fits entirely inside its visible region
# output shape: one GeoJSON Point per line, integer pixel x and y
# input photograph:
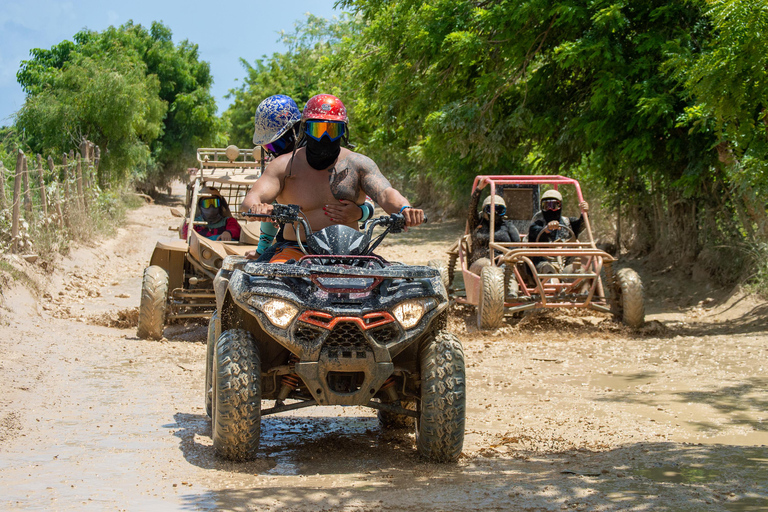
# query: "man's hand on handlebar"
{"type": "Point", "coordinates": [413, 216]}
{"type": "Point", "coordinates": [261, 209]}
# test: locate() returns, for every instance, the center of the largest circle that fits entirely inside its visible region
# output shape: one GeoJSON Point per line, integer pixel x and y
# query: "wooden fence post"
{"type": "Point", "coordinates": [86, 161]}
{"type": "Point", "coordinates": [83, 202]}
{"type": "Point", "coordinates": [43, 198]}
{"type": "Point", "coordinates": [67, 195]}
{"type": "Point", "coordinates": [3, 201]}
{"type": "Point", "coordinates": [96, 161]}
{"type": "Point", "coordinates": [16, 202]}
{"type": "Point", "coordinates": [57, 192]}
{"type": "Point", "coordinates": [27, 195]}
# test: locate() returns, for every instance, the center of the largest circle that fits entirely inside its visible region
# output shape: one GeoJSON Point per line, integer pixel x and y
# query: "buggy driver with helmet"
{"type": "Point", "coordinates": [320, 172]}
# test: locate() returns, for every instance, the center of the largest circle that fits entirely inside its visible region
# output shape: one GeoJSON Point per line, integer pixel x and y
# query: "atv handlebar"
{"type": "Point", "coordinates": [291, 214]}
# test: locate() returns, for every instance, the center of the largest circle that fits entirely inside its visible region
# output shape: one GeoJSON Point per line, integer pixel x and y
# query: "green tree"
{"type": "Point", "coordinates": [299, 73]}
{"type": "Point", "coordinates": [174, 73]}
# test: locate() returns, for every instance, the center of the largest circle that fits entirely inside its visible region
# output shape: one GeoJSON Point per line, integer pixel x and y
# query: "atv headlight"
{"type": "Point", "coordinates": [279, 312]}
{"type": "Point", "coordinates": [409, 313]}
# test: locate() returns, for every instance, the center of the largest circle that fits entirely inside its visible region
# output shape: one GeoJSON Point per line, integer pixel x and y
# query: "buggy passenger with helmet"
{"type": "Point", "coordinates": [480, 227]}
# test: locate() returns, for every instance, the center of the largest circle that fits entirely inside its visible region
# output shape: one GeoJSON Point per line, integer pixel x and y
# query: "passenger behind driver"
{"type": "Point", "coordinates": [547, 222]}
{"type": "Point", "coordinates": [504, 232]}
{"type": "Point", "coordinates": [212, 209]}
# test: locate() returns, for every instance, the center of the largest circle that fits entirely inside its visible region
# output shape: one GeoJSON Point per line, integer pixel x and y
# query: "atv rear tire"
{"type": "Point", "coordinates": [236, 420]}
{"type": "Point", "coordinates": [630, 303]}
{"type": "Point", "coordinates": [442, 411]}
{"type": "Point", "coordinates": [441, 267]}
{"type": "Point", "coordinates": [209, 349]}
{"type": "Point", "coordinates": [154, 302]}
{"type": "Point", "coordinates": [393, 421]}
{"type": "Point", "coordinates": [490, 307]}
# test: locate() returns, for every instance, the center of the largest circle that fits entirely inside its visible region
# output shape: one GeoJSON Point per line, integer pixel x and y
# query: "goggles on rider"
{"type": "Point", "coordinates": [500, 209]}
{"type": "Point", "coordinates": [550, 204]}
{"type": "Point", "coordinates": [317, 129]}
{"type": "Point", "coordinates": [210, 202]}
{"type": "Point", "coordinates": [277, 147]}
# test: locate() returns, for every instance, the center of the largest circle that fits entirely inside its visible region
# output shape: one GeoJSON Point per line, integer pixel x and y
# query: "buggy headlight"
{"type": "Point", "coordinates": [279, 312]}
{"type": "Point", "coordinates": [409, 313]}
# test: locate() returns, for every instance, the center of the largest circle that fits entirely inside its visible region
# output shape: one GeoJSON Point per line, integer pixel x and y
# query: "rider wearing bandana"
{"type": "Point", "coordinates": [548, 221]}
{"type": "Point", "coordinates": [319, 172]}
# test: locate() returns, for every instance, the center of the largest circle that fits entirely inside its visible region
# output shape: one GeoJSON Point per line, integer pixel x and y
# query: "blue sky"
{"type": "Point", "coordinates": [224, 31]}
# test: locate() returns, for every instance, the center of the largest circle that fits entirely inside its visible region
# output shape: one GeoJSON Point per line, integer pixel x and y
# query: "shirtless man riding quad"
{"type": "Point", "coordinates": [320, 173]}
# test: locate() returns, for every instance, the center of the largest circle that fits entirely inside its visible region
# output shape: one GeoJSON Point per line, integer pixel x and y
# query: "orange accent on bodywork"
{"type": "Point", "coordinates": [328, 321]}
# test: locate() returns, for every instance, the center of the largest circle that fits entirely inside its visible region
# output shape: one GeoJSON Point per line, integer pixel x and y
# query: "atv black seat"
{"type": "Point", "coordinates": [522, 203]}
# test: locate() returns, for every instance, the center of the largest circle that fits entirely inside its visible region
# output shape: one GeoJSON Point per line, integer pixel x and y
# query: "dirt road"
{"type": "Point", "coordinates": [565, 412]}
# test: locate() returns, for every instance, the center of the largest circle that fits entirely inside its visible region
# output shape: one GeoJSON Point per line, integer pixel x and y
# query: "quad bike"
{"type": "Point", "coordinates": [340, 326]}
{"type": "Point", "coordinates": [178, 283]}
{"type": "Point", "coordinates": [507, 281]}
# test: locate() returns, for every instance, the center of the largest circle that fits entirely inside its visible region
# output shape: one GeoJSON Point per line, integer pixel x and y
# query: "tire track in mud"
{"type": "Point", "coordinates": [565, 412]}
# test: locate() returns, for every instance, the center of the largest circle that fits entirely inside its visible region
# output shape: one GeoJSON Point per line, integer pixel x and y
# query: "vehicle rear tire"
{"type": "Point", "coordinates": [441, 267]}
{"type": "Point", "coordinates": [209, 349]}
{"type": "Point", "coordinates": [393, 421]}
{"type": "Point", "coordinates": [452, 259]}
{"type": "Point", "coordinates": [630, 302]}
{"type": "Point", "coordinates": [154, 303]}
{"type": "Point", "coordinates": [236, 419]}
{"type": "Point", "coordinates": [442, 411]}
{"type": "Point", "coordinates": [490, 307]}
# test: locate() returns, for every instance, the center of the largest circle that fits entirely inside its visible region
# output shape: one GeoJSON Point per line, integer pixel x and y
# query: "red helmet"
{"type": "Point", "coordinates": [326, 107]}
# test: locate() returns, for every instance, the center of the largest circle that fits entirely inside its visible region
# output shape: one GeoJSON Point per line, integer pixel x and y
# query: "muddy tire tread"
{"type": "Point", "coordinates": [442, 412]}
{"type": "Point", "coordinates": [236, 417]}
{"type": "Point", "coordinates": [210, 346]}
{"type": "Point", "coordinates": [631, 297]}
{"type": "Point", "coordinates": [154, 302]}
{"type": "Point", "coordinates": [490, 310]}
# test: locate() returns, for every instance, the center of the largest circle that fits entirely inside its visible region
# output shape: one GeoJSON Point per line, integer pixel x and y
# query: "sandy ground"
{"type": "Point", "coordinates": [566, 411]}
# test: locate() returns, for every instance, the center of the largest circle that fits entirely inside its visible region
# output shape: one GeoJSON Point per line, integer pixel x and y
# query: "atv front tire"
{"type": "Point", "coordinates": [210, 347]}
{"type": "Point", "coordinates": [630, 306]}
{"type": "Point", "coordinates": [154, 302]}
{"type": "Point", "coordinates": [236, 420]}
{"type": "Point", "coordinates": [441, 267]}
{"type": "Point", "coordinates": [442, 411]}
{"type": "Point", "coordinates": [490, 307]}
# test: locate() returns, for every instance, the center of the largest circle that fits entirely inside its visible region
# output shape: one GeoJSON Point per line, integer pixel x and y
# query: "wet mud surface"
{"type": "Point", "coordinates": [566, 410]}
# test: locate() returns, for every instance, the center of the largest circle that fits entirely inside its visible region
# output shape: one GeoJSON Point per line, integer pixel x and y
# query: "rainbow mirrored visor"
{"type": "Point", "coordinates": [318, 129]}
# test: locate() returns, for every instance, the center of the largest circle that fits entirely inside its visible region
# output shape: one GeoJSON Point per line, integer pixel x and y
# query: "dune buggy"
{"type": "Point", "coordinates": [340, 326]}
{"type": "Point", "coordinates": [178, 283]}
{"type": "Point", "coordinates": [583, 275]}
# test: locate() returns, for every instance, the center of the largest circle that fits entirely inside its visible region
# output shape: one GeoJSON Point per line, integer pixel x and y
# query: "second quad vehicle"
{"type": "Point", "coordinates": [340, 326]}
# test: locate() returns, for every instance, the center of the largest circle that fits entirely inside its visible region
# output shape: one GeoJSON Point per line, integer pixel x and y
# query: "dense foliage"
{"type": "Point", "coordinates": [145, 101]}
{"type": "Point", "coordinates": [299, 73]}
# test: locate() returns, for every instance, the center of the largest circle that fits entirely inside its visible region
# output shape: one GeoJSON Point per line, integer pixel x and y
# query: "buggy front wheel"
{"type": "Point", "coordinates": [442, 411]}
{"type": "Point", "coordinates": [490, 304]}
{"type": "Point", "coordinates": [154, 302]}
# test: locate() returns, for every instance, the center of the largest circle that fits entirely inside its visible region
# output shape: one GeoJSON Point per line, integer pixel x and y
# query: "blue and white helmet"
{"type": "Point", "coordinates": [274, 116]}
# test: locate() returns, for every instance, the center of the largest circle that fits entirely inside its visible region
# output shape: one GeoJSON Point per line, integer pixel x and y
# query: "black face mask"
{"type": "Point", "coordinates": [550, 215]}
{"type": "Point", "coordinates": [321, 154]}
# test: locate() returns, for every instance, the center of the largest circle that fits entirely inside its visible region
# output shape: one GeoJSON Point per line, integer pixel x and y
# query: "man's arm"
{"type": "Point", "coordinates": [265, 189]}
{"type": "Point", "coordinates": [375, 185]}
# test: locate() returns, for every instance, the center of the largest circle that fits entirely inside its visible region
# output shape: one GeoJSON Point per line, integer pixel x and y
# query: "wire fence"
{"type": "Point", "coordinates": [48, 193]}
